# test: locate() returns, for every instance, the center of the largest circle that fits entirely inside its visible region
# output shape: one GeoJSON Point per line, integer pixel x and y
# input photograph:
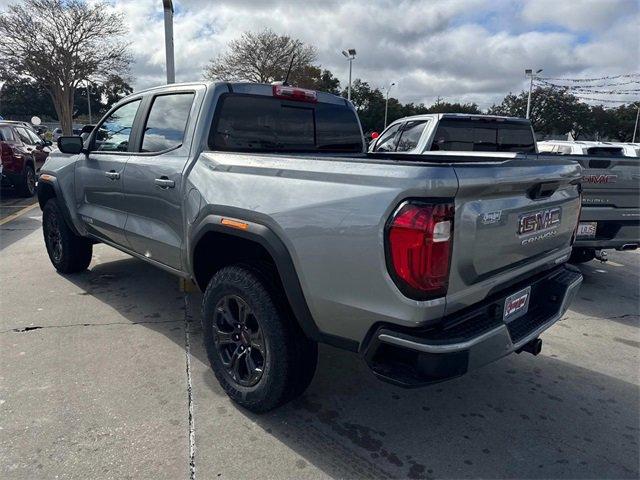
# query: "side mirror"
{"type": "Point", "coordinates": [72, 145]}
{"type": "Point", "coordinates": [374, 135]}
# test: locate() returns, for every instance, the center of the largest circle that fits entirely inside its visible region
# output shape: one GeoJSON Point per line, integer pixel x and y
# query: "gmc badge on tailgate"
{"type": "Point", "coordinates": [538, 221]}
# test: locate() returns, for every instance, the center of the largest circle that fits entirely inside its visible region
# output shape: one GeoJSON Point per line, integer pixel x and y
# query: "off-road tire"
{"type": "Point", "coordinates": [27, 183]}
{"type": "Point", "coordinates": [290, 357]}
{"type": "Point", "coordinates": [68, 252]}
{"type": "Point", "coordinates": [582, 255]}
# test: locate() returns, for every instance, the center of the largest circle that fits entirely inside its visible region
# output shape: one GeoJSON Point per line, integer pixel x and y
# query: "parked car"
{"type": "Point", "coordinates": [453, 133]}
{"type": "Point", "coordinates": [22, 154]}
{"type": "Point", "coordinates": [57, 133]}
{"type": "Point", "coordinates": [427, 266]}
{"type": "Point", "coordinates": [596, 149]}
{"type": "Point", "coordinates": [610, 216]}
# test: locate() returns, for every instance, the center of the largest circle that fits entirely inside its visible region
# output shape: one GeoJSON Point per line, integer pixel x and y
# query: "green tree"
{"type": "Point", "coordinates": [447, 107]}
{"type": "Point", "coordinates": [60, 44]}
{"type": "Point", "coordinates": [322, 80]}
{"type": "Point", "coordinates": [103, 96]}
{"type": "Point", "coordinates": [22, 98]}
{"type": "Point", "coordinates": [369, 104]}
{"type": "Point", "coordinates": [553, 111]}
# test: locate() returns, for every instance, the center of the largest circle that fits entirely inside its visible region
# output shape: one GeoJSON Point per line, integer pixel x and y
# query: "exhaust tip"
{"type": "Point", "coordinates": [534, 347]}
{"type": "Point", "coordinates": [629, 246]}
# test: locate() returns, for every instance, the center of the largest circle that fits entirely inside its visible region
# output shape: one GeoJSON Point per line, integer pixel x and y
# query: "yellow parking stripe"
{"type": "Point", "coordinates": [13, 216]}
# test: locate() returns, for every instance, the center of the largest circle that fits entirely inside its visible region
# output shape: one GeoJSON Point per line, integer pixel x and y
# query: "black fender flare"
{"type": "Point", "coordinates": [52, 181]}
{"type": "Point", "coordinates": [258, 232]}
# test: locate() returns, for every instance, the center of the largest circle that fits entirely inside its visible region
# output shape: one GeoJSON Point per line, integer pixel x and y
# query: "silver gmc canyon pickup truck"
{"type": "Point", "coordinates": [263, 196]}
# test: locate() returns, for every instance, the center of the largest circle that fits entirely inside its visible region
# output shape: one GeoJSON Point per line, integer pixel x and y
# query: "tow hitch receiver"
{"type": "Point", "coordinates": [534, 347]}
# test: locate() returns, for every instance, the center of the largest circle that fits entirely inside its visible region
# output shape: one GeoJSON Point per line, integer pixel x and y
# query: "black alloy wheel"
{"type": "Point", "coordinates": [53, 237]}
{"type": "Point", "coordinates": [239, 341]}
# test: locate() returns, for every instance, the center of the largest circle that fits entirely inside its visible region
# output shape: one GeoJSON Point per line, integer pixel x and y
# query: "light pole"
{"type": "Point", "coordinates": [386, 104]}
{"type": "Point", "coordinates": [529, 73]}
{"type": "Point", "coordinates": [635, 128]}
{"type": "Point", "coordinates": [89, 103]}
{"type": "Point", "coordinates": [168, 40]}
{"type": "Point", "coordinates": [351, 55]}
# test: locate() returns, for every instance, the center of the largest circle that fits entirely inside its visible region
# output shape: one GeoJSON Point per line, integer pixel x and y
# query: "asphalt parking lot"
{"type": "Point", "coordinates": [103, 375]}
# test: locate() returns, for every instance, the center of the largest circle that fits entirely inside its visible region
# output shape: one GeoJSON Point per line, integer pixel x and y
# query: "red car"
{"type": "Point", "coordinates": [22, 153]}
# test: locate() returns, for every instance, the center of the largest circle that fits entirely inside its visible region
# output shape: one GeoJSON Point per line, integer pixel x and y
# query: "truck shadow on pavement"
{"type": "Point", "coordinates": [520, 417]}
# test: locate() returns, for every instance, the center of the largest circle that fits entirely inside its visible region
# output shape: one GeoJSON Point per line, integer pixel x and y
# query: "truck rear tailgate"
{"type": "Point", "coordinates": [511, 219]}
{"type": "Point", "coordinates": [610, 182]}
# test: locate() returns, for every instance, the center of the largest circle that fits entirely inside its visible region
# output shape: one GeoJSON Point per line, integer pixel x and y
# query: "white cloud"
{"type": "Point", "coordinates": [578, 15]}
{"type": "Point", "coordinates": [461, 50]}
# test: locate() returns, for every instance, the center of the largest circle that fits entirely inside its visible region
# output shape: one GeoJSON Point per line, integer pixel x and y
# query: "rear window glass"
{"type": "Point", "coordinates": [605, 152]}
{"type": "Point", "coordinates": [250, 122]}
{"type": "Point", "coordinates": [468, 135]}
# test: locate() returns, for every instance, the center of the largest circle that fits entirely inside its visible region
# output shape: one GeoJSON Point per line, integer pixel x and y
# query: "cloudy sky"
{"type": "Point", "coordinates": [460, 50]}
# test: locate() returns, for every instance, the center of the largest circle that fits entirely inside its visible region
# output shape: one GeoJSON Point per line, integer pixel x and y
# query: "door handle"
{"type": "Point", "coordinates": [164, 182]}
{"type": "Point", "coordinates": [112, 174]}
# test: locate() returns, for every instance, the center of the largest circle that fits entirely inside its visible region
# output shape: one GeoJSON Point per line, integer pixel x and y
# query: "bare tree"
{"type": "Point", "coordinates": [262, 57]}
{"type": "Point", "coordinates": [60, 43]}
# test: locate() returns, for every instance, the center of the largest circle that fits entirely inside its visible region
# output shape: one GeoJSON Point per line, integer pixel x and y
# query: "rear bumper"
{"type": "Point", "coordinates": [471, 338]}
{"type": "Point", "coordinates": [616, 227]}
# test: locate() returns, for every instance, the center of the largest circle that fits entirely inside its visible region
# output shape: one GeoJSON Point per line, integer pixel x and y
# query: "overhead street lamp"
{"type": "Point", "coordinates": [351, 55]}
{"type": "Point", "coordinates": [168, 40]}
{"type": "Point", "coordinates": [386, 104]}
{"type": "Point", "coordinates": [529, 73]}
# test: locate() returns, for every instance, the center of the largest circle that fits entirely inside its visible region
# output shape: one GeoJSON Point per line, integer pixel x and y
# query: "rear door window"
{"type": "Point", "coordinates": [252, 122]}
{"type": "Point", "coordinates": [483, 135]}
{"type": "Point", "coordinates": [167, 122]}
{"type": "Point", "coordinates": [410, 136]}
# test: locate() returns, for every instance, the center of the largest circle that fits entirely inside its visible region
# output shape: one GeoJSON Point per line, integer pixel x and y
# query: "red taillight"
{"type": "Point", "coordinates": [293, 93]}
{"type": "Point", "coordinates": [419, 241]}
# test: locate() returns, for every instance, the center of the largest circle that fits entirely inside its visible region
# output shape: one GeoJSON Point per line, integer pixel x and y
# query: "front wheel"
{"type": "Point", "coordinates": [257, 351]}
{"type": "Point", "coordinates": [68, 252]}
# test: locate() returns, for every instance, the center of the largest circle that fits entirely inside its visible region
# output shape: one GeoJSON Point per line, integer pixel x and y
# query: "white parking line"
{"type": "Point", "coordinates": [13, 216]}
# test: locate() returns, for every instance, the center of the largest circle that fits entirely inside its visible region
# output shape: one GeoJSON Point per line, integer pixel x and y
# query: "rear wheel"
{"type": "Point", "coordinates": [582, 255]}
{"type": "Point", "coordinates": [27, 185]}
{"type": "Point", "coordinates": [256, 349]}
{"type": "Point", "coordinates": [68, 252]}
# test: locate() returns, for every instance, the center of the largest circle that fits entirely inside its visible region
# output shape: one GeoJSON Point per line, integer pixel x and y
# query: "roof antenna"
{"type": "Point", "coordinates": [293, 56]}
